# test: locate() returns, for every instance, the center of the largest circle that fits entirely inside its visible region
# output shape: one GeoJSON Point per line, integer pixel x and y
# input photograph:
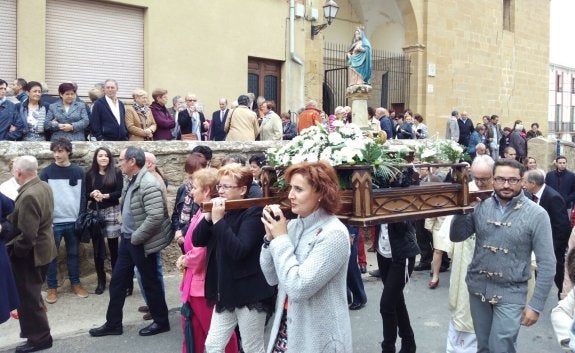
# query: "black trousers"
{"type": "Point", "coordinates": [392, 304]}
{"type": "Point", "coordinates": [29, 280]}
{"type": "Point", "coordinates": [424, 242]}
{"type": "Point", "coordinates": [130, 255]}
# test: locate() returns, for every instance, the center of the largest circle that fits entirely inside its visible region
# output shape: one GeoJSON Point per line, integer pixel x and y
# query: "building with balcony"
{"type": "Point", "coordinates": [561, 118]}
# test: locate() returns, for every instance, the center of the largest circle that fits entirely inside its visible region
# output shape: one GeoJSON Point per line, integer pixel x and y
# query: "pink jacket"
{"type": "Point", "coordinates": [195, 273]}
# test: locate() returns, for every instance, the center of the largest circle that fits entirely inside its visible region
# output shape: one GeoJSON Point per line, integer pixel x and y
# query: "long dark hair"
{"type": "Point", "coordinates": [110, 172]}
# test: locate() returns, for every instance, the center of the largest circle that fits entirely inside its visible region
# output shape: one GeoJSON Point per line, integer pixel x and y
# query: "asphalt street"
{"type": "Point", "coordinates": [71, 318]}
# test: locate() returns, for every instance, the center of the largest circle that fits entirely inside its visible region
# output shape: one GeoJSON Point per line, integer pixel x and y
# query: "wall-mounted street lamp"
{"type": "Point", "coordinates": [329, 12]}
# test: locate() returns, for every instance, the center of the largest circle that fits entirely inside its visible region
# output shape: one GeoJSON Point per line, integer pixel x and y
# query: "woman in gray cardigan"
{"type": "Point", "coordinates": [307, 258]}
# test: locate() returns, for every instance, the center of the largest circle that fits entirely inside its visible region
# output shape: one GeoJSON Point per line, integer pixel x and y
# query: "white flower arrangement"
{"type": "Point", "coordinates": [345, 145]}
{"type": "Point", "coordinates": [439, 150]}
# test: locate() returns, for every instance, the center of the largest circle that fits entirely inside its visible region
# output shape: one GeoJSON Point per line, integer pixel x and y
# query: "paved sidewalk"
{"type": "Point", "coordinates": [71, 318]}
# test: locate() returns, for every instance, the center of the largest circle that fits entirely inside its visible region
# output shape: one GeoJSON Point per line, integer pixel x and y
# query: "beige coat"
{"type": "Point", "coordinates": [136, 125]}
{"type": "Point", "coordinates": [271, 128]}
{"type": "Point", "coordinates": [242, 125]}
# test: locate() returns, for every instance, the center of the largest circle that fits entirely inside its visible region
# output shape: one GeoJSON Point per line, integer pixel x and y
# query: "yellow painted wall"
{"type": "Point", "coordinates": [202, 47]}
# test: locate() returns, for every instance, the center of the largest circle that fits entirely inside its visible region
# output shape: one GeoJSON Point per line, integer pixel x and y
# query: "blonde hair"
{"type": "Point", "coordinates": [242, 174]}
{"type": "Point", "coordinates": [206, 178]}
{"type": "Point", "coordinates": [139, 93]}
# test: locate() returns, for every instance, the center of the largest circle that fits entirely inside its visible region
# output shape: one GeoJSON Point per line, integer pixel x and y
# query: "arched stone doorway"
{"type": "Point", "coordinates": [392, 28]}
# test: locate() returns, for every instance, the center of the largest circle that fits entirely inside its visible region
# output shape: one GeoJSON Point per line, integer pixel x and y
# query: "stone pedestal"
{"type": "Point", "coordinates": [358, 96]}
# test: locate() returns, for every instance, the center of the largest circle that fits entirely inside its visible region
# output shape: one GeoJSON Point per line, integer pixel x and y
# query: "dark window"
{"type": "Point", "coordinates": [558, 117]}
{"type": "Point", "coordinates": [271, 88]}
{"type": "Point", "coordinates": [572, 84]}
{"type": "Point", "coordinates": [558, 83]}
{"type": "Point", "coordinates": [253, 83]}
{"type": "Point", "coordinates": [508, 18]}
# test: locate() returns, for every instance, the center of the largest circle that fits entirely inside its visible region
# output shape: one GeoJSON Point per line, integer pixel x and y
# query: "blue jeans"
{"type": "Point", "coordinates": [68, 232]}
{"type": "Point", "coordinates": [355, 288]}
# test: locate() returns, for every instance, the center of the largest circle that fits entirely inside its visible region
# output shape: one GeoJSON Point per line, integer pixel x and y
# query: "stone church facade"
{"type": "Point", "coordinates": [482, 56]}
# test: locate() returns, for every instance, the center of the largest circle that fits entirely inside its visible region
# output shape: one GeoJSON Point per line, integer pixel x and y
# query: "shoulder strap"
{"type": "Point", "coordinates": [229, 121]}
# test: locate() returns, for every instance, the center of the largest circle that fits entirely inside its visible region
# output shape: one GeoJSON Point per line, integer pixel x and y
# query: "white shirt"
{"type": "Point", "coordinates": [115, 107]}
{"type": "Point", "coordinates": [539, 193]}
{"type": "Point", "coordinates": [383, 245]}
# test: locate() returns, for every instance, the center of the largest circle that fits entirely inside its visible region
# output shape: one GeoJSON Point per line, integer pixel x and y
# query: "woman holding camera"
{"type": "Point", "coordinates": [307, 258]}
{"type": "Point", "coordinates": [234, 279]}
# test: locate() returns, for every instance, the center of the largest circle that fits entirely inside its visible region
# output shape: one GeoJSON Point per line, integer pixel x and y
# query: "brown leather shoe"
{"type": "Point", "coordinates": [79, 291]}
{"type": "Point", "coordinates": [52, 296]}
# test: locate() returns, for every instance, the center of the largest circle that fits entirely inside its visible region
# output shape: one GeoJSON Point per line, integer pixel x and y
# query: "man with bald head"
{"type": "Point", "coordinates": [461, 335]}
{"type": "Point", "coordinates": [217, 132]}
{"type": "Point", "coordinates": [31, 250]}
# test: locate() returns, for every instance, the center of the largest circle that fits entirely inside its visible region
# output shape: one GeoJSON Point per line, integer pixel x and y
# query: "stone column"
{"type": "Point", "coordinates": [358, 96]}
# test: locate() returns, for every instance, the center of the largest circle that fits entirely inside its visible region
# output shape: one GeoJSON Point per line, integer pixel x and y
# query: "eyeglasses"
{"type": "Point", "coordinates": [226, 187]}
{"type": "Point", "coordinates": [191, 100]}
{"type": "Point", "coordinates": [483, 180]}
{"type": "Point", "coordinates": [502, 181]}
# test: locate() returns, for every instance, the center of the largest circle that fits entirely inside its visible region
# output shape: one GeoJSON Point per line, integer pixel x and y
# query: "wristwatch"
{"type": "Point", "coordinates": [266, 242]}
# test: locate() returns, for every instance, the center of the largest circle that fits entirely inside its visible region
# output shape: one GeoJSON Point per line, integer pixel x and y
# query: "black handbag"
{"type": "Point", "coordinates": [90, 224]}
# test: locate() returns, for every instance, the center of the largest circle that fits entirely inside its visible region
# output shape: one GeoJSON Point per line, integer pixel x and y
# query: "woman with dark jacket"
{"type": "Point", "coordinates": [103, 188]}
{"type": "Point", "coordinates": [192, 121]}
{"type": "Point", "coordinates": [33, 113]}
{"type": "Point", "coordinates": [396, 250]}
{"type": "Point", "coordinates": [184, 205]}
{"type": "Point", "coordinates": [164, 120]}
{"type": "Point", "coordinates": [234, 279]}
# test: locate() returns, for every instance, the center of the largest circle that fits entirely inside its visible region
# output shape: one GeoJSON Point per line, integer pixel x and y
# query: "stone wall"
{"type": "Point", "coordinates": [170, 155]}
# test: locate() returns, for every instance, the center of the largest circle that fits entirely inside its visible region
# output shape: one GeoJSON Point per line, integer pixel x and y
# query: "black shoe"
{"type": "Point", "coordinates": [375, 273]}
{"type": "Point", "coordinates": [28, 347]}
{"type": "Point", "coordinates": [147, 316]}
{"type": "Point", "coordinates": [407, 347]}
{"type": "Point", "coordinates": [422, 267]}
{"type": "Point", "coordinates": [144, 309]}
{"type": "Point", "coordinates": [362, 269]}
{"type": "Point", "coordinates": [356, 306]}
{"type": "Point", "coordinates": [101, 287]}
{"type": "Point", "coordinates": [106, 330]}
{"type": "Point", "coordinates": [443, 269]}
{"type": "Point", "coordinates": [154, 329]}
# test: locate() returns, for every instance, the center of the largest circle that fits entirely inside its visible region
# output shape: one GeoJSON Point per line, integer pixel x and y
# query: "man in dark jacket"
{"type": "Point", "coordinates": [465, 129]}
{"type": "Point", "coordinates": [385, 122]}
{"type": "Point", "coordinates": [108, 117]}
{"type": "Point", "coordinates": [145, 232]}
{"type": "Point", "coordinates": [563, 181]}
{"type": "Point", "coordinates": [553, 203]}
{"type": "Point", "coordinates": [11, 125]}
{"type": "Point", "coordinates": [216, 131]}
